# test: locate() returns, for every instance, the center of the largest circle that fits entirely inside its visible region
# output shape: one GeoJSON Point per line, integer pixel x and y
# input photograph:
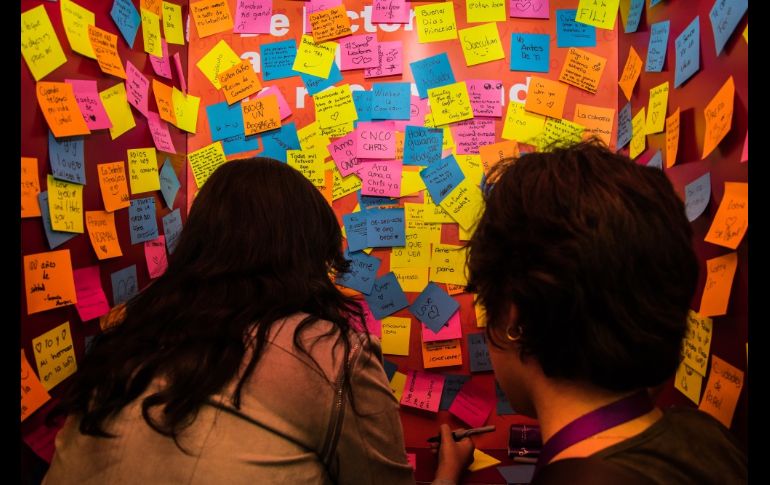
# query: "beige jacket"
{"type": "Point", "coordinates": [278, 436]}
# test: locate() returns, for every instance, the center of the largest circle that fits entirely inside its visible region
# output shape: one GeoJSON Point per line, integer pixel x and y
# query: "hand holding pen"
{"type": "Point", "coordinates": [459, 434]}
{"type": "Point", "coordinates": [454, 454]}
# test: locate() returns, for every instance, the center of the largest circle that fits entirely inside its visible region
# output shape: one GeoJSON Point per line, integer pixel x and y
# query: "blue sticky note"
{"type": "Point", "coordinates": [67, 160]}
{"type": "Point", "coordinates": [372, 201]}
{"type": "Point", "coordinates": [124, 285]}
{"type": "Point", "coordinates": [390, 368]}
{"type": "Point", "coordinates": [422, 146]}
{"type": "Point", "coordinates": [276, 142]}
{"type": "Point", "coordinates": [654, 2]}
{"type": "Point", "coordinates": [442, 177]}
{"type": "Point", "coordinates": [478, 352]}
{"type": "Point", "coordinates": [571, 33]}
{"type": "Point", "coordinates": [634, 14]}
{"type": "Point", "coordinates": [432, 72]}
{"type": "Point", "coordinates": [657, 47]}
{"type": "Point", "coordinates": [169, 183]}
{"type": "Point", "coordinates": [517, 473]}
{"type": "Point", "coordinates": [363, 102]}
{"type": "Point", "coordinates": [127, 19]}
{"type": "Point", "coordinates": [386, 297]}
{"type": "Point", "coordinates": [362, 272]}
{"type": "Point", "coordinates": [624, 126]}
{"type": "Point", "coordinates": [725, 15]}
{"type": "Point", "coordinates": [452, 385]}
{"type": "Point", "coordinates": [656, 161]}
{"type": "Point", "coordinates": [530, 52]}
{"type": "Point", "coordinates": [55, 238]}
{"type": "Point", "coordinates": [434, 306]}
{"type": "Point", "coordinates": [385, 228]}
{"type": "Point", "coordinates": [696, 196]}
{"type": "Point", "coordinates": [240, 143]}
{"type": "Point", "coordinates": [225, 120]}
{"type": "Point", "coordinates": [315, 84]}
{"type": "Point", "coordinates": [172, 229]}
{"type": "Point", "coordinates": [142, 221]}
{"type": "Point", "coordinates": [391, 101]}
{"type": "Point", "coordinates": [277, 59]}
{"type": "Point", "coordinates": [355, 229]}
{"type": "Point", "coordinates": [503, 405]}
{"type": "Point", "coordinates": [687, 53]}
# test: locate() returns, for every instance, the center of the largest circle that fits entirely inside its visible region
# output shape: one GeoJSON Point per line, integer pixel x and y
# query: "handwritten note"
{"type": "Point", "coordinates": [151, 33]}
{"type": "Point", "coordinates": [450, 103]}
{"type": "Point", "coordinates": [571, 33]}
{"type": "Point", "coordinates": [486, 97]}
{"type": "Point", "coordinates": [375, 140]}
{"type": "Point", "coordinates": [697, 342]}
{"type": "Point", "coordinates": [33, 394]}
{"type": "Point", "coordinates": [530, 52]}
{"type": "Point", "coordinates": [481, 43]}
{"type": "Point", "coordinates": [546, 97]}
{"type": "Point", "coordinates": [390, 12]}
{"type": "Point", "coordinates": [638, 135]}
{"type": "Point", "coordinates": [172, 229]}
{"type": "Point", "coordinates": [434, 307]}
{"type": "Point", "coordinates": [161, 137]}
{"type": "Point", "coordinates": [115, 103]}
{"type": "Point", "coordinates": [173, 28]}
{"type": "Point", "coordinates": [725, 15]}
{"type": "Point", "coordinates": [596, 120]}
{"type": "Point", "coordinates": [452, 385]}
{"type": "Point", "coordinates": [635, 9]}
{"type": "Point", "coordinates": [211, 17]}
{"type": "Point", "coordinates": [583, 70]}
{"type": "Point", "coordinates": [48, 281]}
{"type": "Point", "coordinates": [442, 353]}
{"type": "Point", "coordinates": [102, 233]}
{"type": "Point", "coordinates": [185, 110]}
{"type": "Point", "coordinates": [657, 47]}
{"type": "Point", "coordinates": [470, 135]}
{"type": "Point", "coordinates": [473, 403]}
{"type": "Point", "coordinates": [124, 285]}
{"type": "Point", "coordinates": [143, 170]}
{"type": "Point", "coordinates": [127, 18]}
{"type": "Point", "coordinates": [76, 20]}
{"type": "Point", "coordinates": [599, 14]}
{"type": "Point", "coordinates": [381, 178]}
{"type": "Point", "coordinates": [314, 58]}
{"type": "Point", "coordinates": [696, 196]}
{"type": "Point", "coordinates": [423, 390]}
{"type": "Point", "coordinates": [422, 146]}
{"type": "Point", "coordinates": [55, 238]}
{"type": "Point", "coordinates": [162, 65]}
{"type": "Point", "coordinates": [722, 391]}
{"type": "Point", "coordinates": [719, 116]}
{"type": "Point", "coordinates": [87, 97]}
{"type": "Point", "coordinates": [277, 59]}
{"type": "Point", "coordinates": [205, 160]}
{"type": "Point", "coordinates": [519, 125]}
{"type": "Point", "coordinates": [30, 187]}
{"type": "Point", "coordinates": [261, 114]}
{"type": "Point", "coordinates": [442, 177]}
{"type": "Point", "coordinates": [253, 16]}
{"type": "Point", "coordinates": [687, 46]}
{"type": "Point", "coordinates": [66, 158]}
{"type": "Point", "coordinates": [219, 59]}
{"type": "Point", "coordinates": [411, 279]}
{"type": "Point", "coordinates": [672, 138]}
{"type": "Point", "coordinates": [385, 228]}
{"type": "Point", "coordinates": [39, 44]}
{"type": "Point", "coordinates": [142, 220]}
{"type": "Point", "coordinates": [335, 106]}
{"type": "Point", "coordinates": [432, 72]}
{"type": "Point", "coordinates": [656, 108]}
{"type": "Point", "coordinates": [631, 72]}
{"type": "Point", "coordinates": [112, 181]}
{"type": "Point", "coordinates": [390, 101]}
{"type": "Point", "coordinates": [169, 183]}
{"type": "Point", "coordinates": [390, 60]}
{"type": "Point", "coordinates": [155, 256]}
{"type": "Point", "coordinates": [359, 51]}
{"type": "Point", "coordinates": [60, 109]}
{"type": "Point", "coordinates": [731, 220]}
{"type": "Point", "coordinates": [688, 382]}
{"type": "Point", "coordinates": [386, 297]}
{"type": "Point", "coordinates": [55, 355]}
{"type": "Point", "coordinates": [435, 22]}
{"type": "Point", "coordinates": [478, 352]}
{"type": "Point", "coordinates": [395, 335]}
{"type": "Point", "coordinates": [463, 204]}
{"type": "Point", "coordinates": [105, 47]}
{"type": "Point", "coordinates": [720, 272]}
{"type": "Point", "coordinates": [92, 302]}
{"type": "Point", "coordinates": [361, 274]}
{"type": "Point", "coordinates": [534, 9]}
{"type": "Point", "coordinates": [451, 330]}
{"type": "Point", "coordinates": [355, 230]}
{"type": "Point", "coordinates": [329, 24]}
{"type": "Point", "coordinates": [65, 205]}
{"type": "Point", "coordinates": [625, 126]}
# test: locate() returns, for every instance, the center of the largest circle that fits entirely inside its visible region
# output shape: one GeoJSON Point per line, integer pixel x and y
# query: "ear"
{"type": "Point", "coordinates": [500, 332]}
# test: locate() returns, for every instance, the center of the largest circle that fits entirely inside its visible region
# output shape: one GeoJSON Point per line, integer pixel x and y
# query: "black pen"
{"type": "Point", "coordinates": [458, 435]}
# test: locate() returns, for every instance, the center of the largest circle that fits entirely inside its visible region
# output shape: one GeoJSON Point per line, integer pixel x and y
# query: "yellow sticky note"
{"type": "Point", "coordinates": [414, 254]}
{"type": "Point", "coordinates": [39, 44]}
{"type": "Point", "coordinates": [415, 223]}
{"type": "Point", "coordinates": [185, 110]}
{"type": "Point", "coordinates": [672, 138]}
{"type": "Point", "coordinates": [55, 355]}
{"type": "Point", "coordinates": [105, 47]}
{"type": "Point", "coordinates": [395, 335]}
{"type": "Point", "coordinates": [335, 106]}
{"type": "Point", "coordinates": [746, 33]}
{"type": "Point", "coordinates": [481, 315]}
{"type": "Point", "coordinates": [447, 264]}
{"type": "Point", "coordinates": [309, 163]}
{"type": "Point", "coordinates": [311, 139]}
{"type": "Point", "coordinates": [719, 116]}
{"type": "Point", "coordinates": [464, 204]}
{"type": "Point", "coordinates": [638, 134]}
{"type": "Point", "coordinates": [76, 20]}
{"type": "Point", "coordinates": [116, 105]}
{"type": "Point", "coordinates": [30, 188]}
{"type": "Point", "coordinates": [211, 17]}
{"type": "Point", "coordinates": [600, 14]}
{"type": "Point", "coordinates": [143, 170]}
{"type": "Point", "coordinates": [688, 382]}
{"type": "Point", "coordinates": [485, 11]}
{"type": "Point", "coordinates": [720, 272]}
{"type": "Point", "coordinates": [48, 281]}
{"type": "Point", "coordinates": [481, 461]}
{"type": "Point", "coordinates": [583, 69]}
{"type": "Point", "coordinates": [330, 23]}
{"type": "Point", "coordinates": [173, 28]}
{"type": "Point", "coordinates": [314, 59]}
{"type": "Point", "coordinates": [471, 166]}
{"type": "Point", "coordinates": [204, 161]}
{"type": "Point", "coordinates": [697, 342]}
{"type": "Point", "coordinates": [151, 33]}
{"type": "Point", "coordinates": [412, 279]}
{"type": "Point", "coordinates": [261, 114]}
{"type": "Point", "coordinates": [722, 391]}
{"type": "Point", "coordinates": [61, 111]}
{"type": "Point", "coordinates": [239, 81]}
{"type": "Point", "coordinates": [344, 185]}
{"type": "Point", "coordinates": [546, 97]}
{"type": "Point", "coordinates": [112, 181]}
{"type": "Point", "coordinates": [219, 59]}
{"type": "Point", "coordinates": [493, 154]}
{"type": "Point", "coordinates": [397, 383]}
{"type": "Point", "coordinates": [336, 131]}
{"type": "Point", "coordinates": [411, 182]}
{"type": "Point", "coordinates": [442, 353]}
{"type": "Point", "coordinates": [596, 120]}
{"type": "Point", "coordinates": [450, 103]}
{"type": "Point", "coordinates": [434, 214]}
{"type": "Point", "coordinates": [558, 132]}
{"type": "Point", "coordinates": [65, 204]}
{"type": "Point", "coordinates": [521, 125]}
{"type": "Point", "coordinates": [33, 394]}
{"type": "Point", "coordinates": [732, 218]}
{"type": "Point", "coordinates": [481, 44]}
{"type": "Point", "coordinates": [656, 108]}
{"type": "Point", "coordinates": [631, 72]}
{"type": "Point", "coordinates": [435, 22]}
{"type": "Point", "coordinates": [104, 237]}
{"type": "Point", "coordinates": [164, 100]}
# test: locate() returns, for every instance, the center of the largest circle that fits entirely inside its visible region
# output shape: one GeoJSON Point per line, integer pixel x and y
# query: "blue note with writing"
{"type": "Point", "coordinates": [355, 229]}
{"type": "Point", "coordinates": [478, 352]}
{"type": "Point", "coordinates": [442, 177]}
{"type": "Point", "coordinates": [127, 19]}
{"type": "Point", "coordinates": [433, 307]}
{"type": "Point", "coordinates": [240, 143]}
{"type": "Point", "coordinates": [385, 228]}
{"type": "Point", "coordinates": [656, 48]}
{"type": "Point", "coordinates": [634, 14]}
{"type": "Point", "coordinates": [142, 221]}
{"type": "Point", "coordinates": [277, 59]}
{"type": "Point", "coordinates": [315, 84]}
{"type": "Point", "coordinates": [67, 160]}
{"type": "Point", "coordinates": [124, 285]}
{"type": "Point", "coordinates": [696, 196]}
{"type": "Point", "coordinates": [362, 272]}
{"type": "Point", "coordinates": [422, 146]}
{"type": "Point", "coordinates": [363, 102]}
{"type": "Point", "coordinates": [452, 385]}
{"type": "Point", "coordinates": [571, 33]}
{"type": "Point", "coordinates": [624, 126]}
{"type": "Point", "coordinates": [169, 183]}
{"type": "Point", "coordinates": [391, 101]}
{"type": "Point", "coordinates": [276, 142]}
{"type": "Point", "coordinates": [432, 72]}
{"type": "Point", "coordinates": [725, 15]}
{"type": "Point", "coordinates": [530, 52]}
{"type": "Point", "coordinates": [225, 120]}
{"type": "Point", "coordinates": [55, 238]}
{"type": "Point", "coordinates": [386, 297]}
{"type": "Point", "coordinates": [503, 405]}
{"type": "Point", "coordinates": [172, 229]}
{"type": "Point", "coordinates": [656, 161]}
{"type": "Point", "coordinates": [687, 53]}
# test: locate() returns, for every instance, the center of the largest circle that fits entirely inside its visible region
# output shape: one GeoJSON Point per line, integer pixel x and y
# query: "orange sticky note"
{"type": "Point", "coordinates": [491, 155]}
{"type": "Point", "coordinates": [211, 17]}
{"type": "Point", "coordinates": [164, 100]}
{"type": "Point", "coordinates": [722, 391]}
{"type": "Point", "coordinates": [330, 24]}
{"type": "Point", "coordinates": [48, 281]}
{"type": "Point", "coordinates": [719, 116]}
{"type": "Point", "coordinates": [112, 181]}
{"type": "Point", "coordinates": [151, 5]}
{"type": "Point", "coordinates": [583, 69]}
{"type": "Point", "coordinates": [596, 120]}
{"type": "Point", "coordinates": [732, 218]}
{"type": "Point", "coordinates": [672, 138]}
{"type": "Point", "coordinates": [61, 111]}
{"type": "Point", "coordinates": [104, 237]}
{"type": "Point", "coordinates": [30, 187]}
{"type": "Point", "coordinates": [328, 187]}
{"type": "Point", "coordinates": [720, 272]}
{"type": "Point", "coordinates": [442, 353]}
{"type": "Point", "coordinates": [546, 97]}
{"type": "Point", "coordinates": [261, 114]}
{"type": "Point", "coordinates": [33, 394]}
{"type": "Point", "coordinates": [239, 81]}
{"type": "Point", "coordinates": [631, 72]}
{"type": "Point", "coordinates": [105, 47]}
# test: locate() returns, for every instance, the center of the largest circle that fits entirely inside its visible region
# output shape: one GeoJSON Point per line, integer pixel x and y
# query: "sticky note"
{"type": "Point", "coordinates": [219, 59]}
{"type": "Point", "coordinates": [253, 16]}
{"type": "Point", "coordinates": [672, 138]}
{"type": "Point", "coordinates": [478, 353]}
{"type": "Point", "coordinates": [395, 335]}
{"type": "Point", "coordinates": [451, 330]}
{"type": "Point", "coordinates": [239, 144]}
{"type": "Point", "coordinates": [638, 132]}
{"type": "Point", "coordinates": [381, 178]}
{"type": "Point", "coordinates": [656, 161]}
{"type": "Point", "coordinates": [447, 264]}
{"type": "Point", "coordinates": [283, 106]}
{"type": "Point", "coordinates": [390, 12]}
{"type": "Point", "coordinates": [239, 81]}
{"type": "Point", "coordinates": [469, 135]}
{"type": "Point", "coordinates": [155, 256]}
{"type": "Point", "coordinates": [596, 120]}
{"type": "Point", "coordinates": [599, 14]}
{"type": "Point", "coordinates": [697, 342]}
{"type": "Point", "coordinates": [697, 195]}
{"type": "Point", "coordinates": [385, 228]}
{"type": "Point", "coordinates": [169, 183]}
{"type": "Point", "coordinates": [481, 43]}
{"type": "Point", "coordinates": [582, 69]}
{"type": "Point", "coordinates": [142, 221]}
{"type": "Point", "coordinates": [450, 103]}
{"type": "Point", "coordinates": [571, 33]}
{"type": "Point", "coordinates": [48, 281]}
{"type": "Point", "coordinates": [530, 52]}
{"type": "Point", "coordinates": [151, 33]}
{"type": "Point", "coordinates": [185, 110]}
{"type": "Point", "coordinates": [375, 140]}
{"type": "Point", "coordinates": [442, 177]}
{"type": "Point", "coordinates": [482, 461]}
{"type": "Point", "coordinates": [105, 47]}
{"type": "Point", "coordinates": [687, 46]}
{"type": "Point", "coordinates": [386, 297]}
{"type": "Point", "coordinates": [55, 238]}
{"type": "Point", "coordinates": [397, 383]}
{"type": "Point", "coordinates": [65, 205]}
{"type": "Point", "coordinates": [631, 72]}
{"type": "Point", "coordinates": [335, 106]}
{"type": "Point", "coordinates": [173, 28]}
{"type": "Point", "coordinates": [39, 44]}
{"type": "Point", "coordinates": [261, 114]}
{"type": "Point", "coordinates": [115, 104]}
{"type": "Point", "coordinates": [180, 71]}
{"type": "Point", "coordinates": [390, 59]}
{"type": "Point", "coordinates": [745, 152]}
{"type": "Point", "coordinates": [92, 302]}
{"type": "Point", "coordinates": [731, 220]}
{"type": "Point", "coordinates": [720, 272]}
{"type": "Point", "coordinates": [211, 17]}
{"type": "Point", "coordinates": [719, 116]}
{"type": "Point", "coordinates": [126, 17]}
{"type": "Point", "coordinates": [452, 385]}
{"type": "Point", "coordinates": [355, 230]}
{"type": "Point", "coordinates": [473, 403]}
{"type": "Point", "coordinates": [746, 38]}
{"type": "Point", "coordinates": [313, 58]}
{"type": "Point", "coordinates": [343, 152]}
{"type": "Point", "coordinates": [422, 146]}
{"type": "Point", "coordinates": [76, 20]}
{"type": "Point", "coordinates": [87, 98]}
{"type": "Point", "coordinates": [143, 170]}
{"type": "Point", "coordinates": [153, 6]}
{"type": "Point", "coordinates": [625, 126]}
{"type": "Point", "coordinates": [724, 16]}
{"type": "Point", "coordinates": [124, 285]}
{"type": "Point", "coordinates": [30, 187]}
{"type": "Point", "coordinates": [66, 158]}
{"type": "Point", "coordinates": [276, 142]}
{"type": "Point", "coordinates": [137, 88]}
{"type": "Point", "coordinates": [411, 279]}
{"type": "Point", "coordinates": [359, 51]}
{"type": "Point", "coordinates": [172, 229]}
{"type": "Point", "coordinates": [560, 133]}
{"type": "Point", "coordinates": [390, 101]}
{"type": "Point", "coordinates": [634, 15]}
{"type": "Point", "coordinates": [546, 97]}
{"type": "Point", "coordinates": [722, 391]}
{"type": "Point", "coordinates": [331, 23]}
{"type": "Point", "coordinates": [434, 307]}
{"type": "Point", "coordinates": [656, 49]}
{"type": "Point", "coordinates": [442, 353]}
{"type": "Point", "coordinates": [61, 111]}
{"type": "Point", "coordinates": [33, 394]}
{"type": "Point", "coordinates": [309, 163]}
{"type": "Point", "coordinates": [435, 22]}
{"type": "Point", "coordinates": [55, 355]}
{"type": "Point", "coordinates": [486, 97]}
{"type": "Point", "coordinates": [161, 137]}
{"type": "Point", "coordinates": [656, 108]}
{"type": "Point", "coordinates": [519, 125]}
{"type": "Point", "coordinates": [277, 59]}
{"type": "Point", "coordinates": [464, 204]}
{"type": "Point", "coordinates": [112, 182]}
{"type": "Point", "coordinates": [102, 233]}
{"type": "Point", "coordinates": [535, 9]}
{"type": "Point", "coordinates": [423, 390]}
{"type": "Point", "coordinates": [688, 382]}
{"type": "Point", "coordinates": [432, 72]}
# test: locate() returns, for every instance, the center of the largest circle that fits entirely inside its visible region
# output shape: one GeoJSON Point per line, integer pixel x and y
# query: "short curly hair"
{"type": "Point", "coordinates": [595, 252]}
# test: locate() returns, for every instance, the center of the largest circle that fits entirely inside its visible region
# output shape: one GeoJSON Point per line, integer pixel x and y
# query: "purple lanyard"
{"type": "Point", "coordinates": [595, 422]}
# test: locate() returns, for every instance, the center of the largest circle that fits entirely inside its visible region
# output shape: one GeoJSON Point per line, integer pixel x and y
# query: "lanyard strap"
{"type": "Point", "coordinates": [598, 420]}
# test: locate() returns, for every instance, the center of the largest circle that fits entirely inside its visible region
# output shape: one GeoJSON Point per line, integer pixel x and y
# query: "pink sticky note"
{"type": "Point", "coordinates": [529, 9]}
{"type": "Point", "coordinates": [417, 110]}
{"type": "Point", "coordinates": [423, 390]}
{"type": "Point", "coordinates": [375, 140]}
{"type": "Point", "coordinates": [412, 459]}
{"type": "Point", "coordinates": [41, 438]}
{"type": "Point", "coordinates": [390, 12]}
{"type": "Point", "coordinates": [92, 302]}
{"type": "Point", "coordinates": [390, 60]}
{"type": "Point", "coordinates": [90, 104]}
{"type": "Point", "coordinates": [473, 403]}
{"type": "Point", "coordinates": [358, 51]}
{"type": "Point", "coordinates": [180, 72]}
{"type": "Point", "coordinates": [486, 97]}
{"type": "Point", "coordinates": [155, 254]}
{"type": "Point", "coordinates": [343, 151]}
{"type": "Point", "coordinates": [253, 16]}
{"type": "Point", "coordinates": [469, 135]}
{"type": "Point", "coordinates": [744, 155]}
{"type": "Point", "coordinates": [381, 178]}
{"type": "Point", "coordinates": [137, 87]}
{"type": "Point", "coordinates": [283, 106]}
{"type": "Point", "coordinates": [160, 133]}
{"type": "Point", "coordinates": [314, 6]}
{"type": "Point", "coordinates": [162, 65]}
{"type": "Point", "coordinates": [451, 330]}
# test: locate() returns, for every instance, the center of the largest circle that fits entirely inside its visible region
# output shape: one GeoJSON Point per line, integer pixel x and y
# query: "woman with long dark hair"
{"type": "Point", "coordinates": [239, 364]}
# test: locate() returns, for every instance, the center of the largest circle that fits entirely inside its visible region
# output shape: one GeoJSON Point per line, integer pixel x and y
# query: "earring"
{"type": "Point", "coordinates": [518, 333]}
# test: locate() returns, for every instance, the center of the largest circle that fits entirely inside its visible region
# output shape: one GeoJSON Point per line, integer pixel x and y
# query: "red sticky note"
{"type": "Point", "coordinates": [423, 390]}
{"type": "Point", "coordinates": [92, 302]}
{"type": "Point", "coordinates": [473, 403]}
{"type": "Point", "coordinates": [451, 330]}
